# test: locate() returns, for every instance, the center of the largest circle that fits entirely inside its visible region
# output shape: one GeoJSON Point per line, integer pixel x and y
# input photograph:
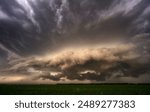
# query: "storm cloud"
{"type": "Point", "coordinates": [92, 64]}
{"type": "Point", "coordinates": [83, 40]}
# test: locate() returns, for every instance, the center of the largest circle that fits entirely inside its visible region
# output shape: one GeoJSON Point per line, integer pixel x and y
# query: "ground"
{"type": "Point", "coordinates": [76, 89]}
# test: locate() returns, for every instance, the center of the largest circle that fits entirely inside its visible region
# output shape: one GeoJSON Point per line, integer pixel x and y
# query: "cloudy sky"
{"type": "Point", "coordinates": [74, 41]}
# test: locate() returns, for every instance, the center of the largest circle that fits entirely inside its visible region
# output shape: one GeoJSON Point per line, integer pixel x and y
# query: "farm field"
{"type": "Point", "coordinates": [76, 89]}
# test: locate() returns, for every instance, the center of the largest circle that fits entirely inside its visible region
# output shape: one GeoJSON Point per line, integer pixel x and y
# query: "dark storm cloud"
{"type": "Point", "coordinates": [33, 27]}
{"type": "Point", "coordinates": [2, 57]}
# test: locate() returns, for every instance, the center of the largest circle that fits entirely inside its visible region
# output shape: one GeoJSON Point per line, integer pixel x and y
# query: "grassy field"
{"type": "Point", "coordinates": [76, 89]}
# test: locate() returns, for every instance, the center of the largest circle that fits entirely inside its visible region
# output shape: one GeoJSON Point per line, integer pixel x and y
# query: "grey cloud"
{"type": "Point", "coordinates": [3, 15]}
{"type": "Point", "coordinates": [53, 22]}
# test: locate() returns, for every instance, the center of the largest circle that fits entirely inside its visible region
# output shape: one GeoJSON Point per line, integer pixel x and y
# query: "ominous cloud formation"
{"type": "Point", "coordinates": [74, 40]}
{"type": "Point", "coordinates": [94, 64]}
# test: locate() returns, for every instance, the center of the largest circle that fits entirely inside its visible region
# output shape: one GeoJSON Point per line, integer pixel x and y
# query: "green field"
{"type": "Point", "coordinates": [76, 89]}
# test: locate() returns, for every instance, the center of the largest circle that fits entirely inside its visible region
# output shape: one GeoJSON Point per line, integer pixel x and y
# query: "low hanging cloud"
{"type": "Point", "coordinates": [99, 64]}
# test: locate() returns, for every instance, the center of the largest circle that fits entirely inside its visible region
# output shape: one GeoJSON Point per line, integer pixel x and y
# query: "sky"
{"type": "Point", "coordinates": [74, 41]}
